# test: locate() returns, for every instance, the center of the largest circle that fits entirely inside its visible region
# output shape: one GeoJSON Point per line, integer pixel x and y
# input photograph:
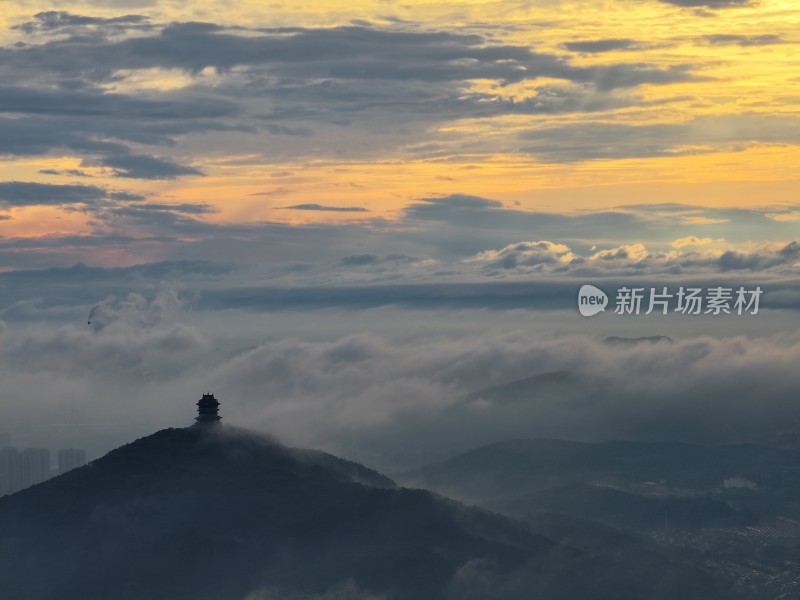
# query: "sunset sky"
{"type": "Point", "coordinates": [181, 127]}
{"type": "Point", "coordinates": [198, 165]}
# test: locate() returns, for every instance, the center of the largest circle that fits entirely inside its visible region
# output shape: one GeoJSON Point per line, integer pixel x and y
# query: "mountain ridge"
{"type": "Point", "coordinates": [523, 465]}
{"type": "Point", "coordinates": [216, 513]}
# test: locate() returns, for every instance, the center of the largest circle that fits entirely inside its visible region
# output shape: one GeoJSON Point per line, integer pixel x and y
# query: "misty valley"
{"type": "Point", "coordinates": [500, 298]}
{"type": "Point", "coordinates": [220, 513]}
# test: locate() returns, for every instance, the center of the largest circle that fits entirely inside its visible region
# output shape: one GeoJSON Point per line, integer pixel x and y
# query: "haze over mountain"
{"type": "Point", "coordinates": [614, 340]}
{"type": "Point", "coordinates": [513, 468]}
{"type": "Point", "coordinates": [223, 514]}
{"type": "Point", "coordinates": [367, 224]}
{"type": "Point", "coordinates": [730, 510]}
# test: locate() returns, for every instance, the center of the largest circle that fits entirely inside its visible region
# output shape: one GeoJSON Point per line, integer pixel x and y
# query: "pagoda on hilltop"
{"type": "Point", "coordinates": [208, 411]}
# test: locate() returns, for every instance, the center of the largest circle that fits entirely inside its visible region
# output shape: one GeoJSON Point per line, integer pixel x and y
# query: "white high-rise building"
{"type": "Point", "coordinates": [69, 459]}
{"type": "Point", "coordinates": [10, 471]}
{"type": "Point", "coordinates": [35, 465]}
{"type": "Point", "coordinates": [19, 470]}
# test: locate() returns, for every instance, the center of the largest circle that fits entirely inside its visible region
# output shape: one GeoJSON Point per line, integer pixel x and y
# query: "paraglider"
{"type": "Point", "coordinates": [135, 310]}
{"type": "Point", "coordinates": [100, 315]}
{"type": "Point", "coordinates": [92, 313]}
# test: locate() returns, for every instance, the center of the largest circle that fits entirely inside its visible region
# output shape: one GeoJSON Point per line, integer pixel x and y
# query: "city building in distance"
{"type": "Point", "coordinates": [21, 469]}
{"type": "Point", "coordinates": [69, 459]}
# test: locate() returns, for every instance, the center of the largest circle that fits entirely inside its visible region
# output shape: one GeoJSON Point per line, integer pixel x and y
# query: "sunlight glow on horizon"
{"type": "Point", "coordinates": [741, 86]}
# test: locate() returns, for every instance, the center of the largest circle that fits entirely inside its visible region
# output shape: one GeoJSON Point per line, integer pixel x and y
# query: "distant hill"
{"type": "Point", "coordinates": [625, 510]}
{"type": "Point", "coordinates": [507, 470]}
{"type": "Point", "coordinates": [626, 341]}
{"type": "Point", "coordinates": [536, 388]}
{"type": "Point", "coordinates": [223, 514]}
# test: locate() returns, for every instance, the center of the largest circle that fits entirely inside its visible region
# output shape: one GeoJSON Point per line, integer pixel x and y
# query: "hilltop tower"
{"type": "Point", "coordinates": [208, 411]}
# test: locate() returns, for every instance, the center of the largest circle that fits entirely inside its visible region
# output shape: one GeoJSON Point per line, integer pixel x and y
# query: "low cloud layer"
{"type": "Point", "coordinates": [168, 262]}
{"type": "Point", "coordinates": [633, 259]}
{"type": "Point", "coordinates": [456, 239]}
{"type": "Point", "coordinates": [365, 393]}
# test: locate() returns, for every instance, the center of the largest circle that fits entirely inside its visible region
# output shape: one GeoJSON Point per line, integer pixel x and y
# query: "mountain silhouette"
{"type": "Point", "coordinates": [510, 469]}
{"type": "Point", "coordinates": [635, 341]}
{"type": "Point", "coordinates": [216, 513]}
{"type": "Point", "coordinates": [624, 510]}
